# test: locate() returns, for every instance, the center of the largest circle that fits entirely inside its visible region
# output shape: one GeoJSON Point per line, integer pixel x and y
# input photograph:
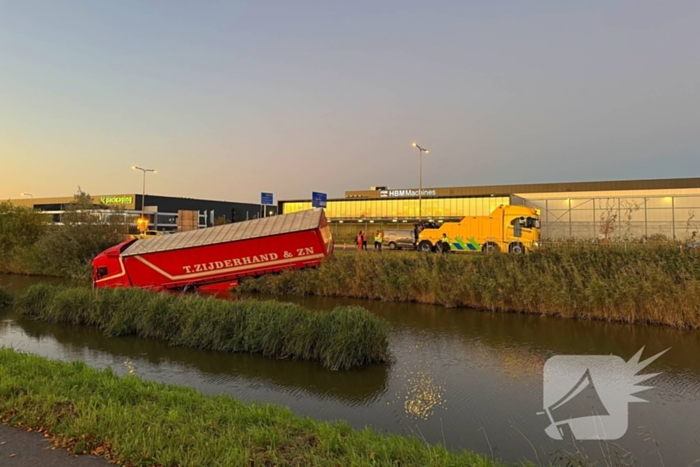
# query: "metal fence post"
{"type": "Point", "coordinates": [646, 225]}
{"type": "Point", "coordinates": [594, 228]}
{"type": "Point", "coordinates": [673, 216]}
{"type": "Point", "coordinates": [619, 216]}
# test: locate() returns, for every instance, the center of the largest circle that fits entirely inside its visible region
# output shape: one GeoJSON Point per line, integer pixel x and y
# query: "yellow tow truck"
{"type": "Point", "coordinates": [512, 229]}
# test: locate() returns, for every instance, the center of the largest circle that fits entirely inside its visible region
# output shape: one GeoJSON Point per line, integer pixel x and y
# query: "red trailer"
{"type": "Point", "coordinates": [217, 258]}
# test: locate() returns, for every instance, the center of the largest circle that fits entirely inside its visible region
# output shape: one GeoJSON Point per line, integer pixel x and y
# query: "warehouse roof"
{"type": "Point", "coordinates": [561, 187]}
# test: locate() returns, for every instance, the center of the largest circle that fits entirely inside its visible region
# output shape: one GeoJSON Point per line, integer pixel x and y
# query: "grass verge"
{"type": "Point", "coordinates": [343, 338]}
{"type": "Point", "coordinates": [139, 423]}
{"type": "Point", "coordinates": [631, 284]}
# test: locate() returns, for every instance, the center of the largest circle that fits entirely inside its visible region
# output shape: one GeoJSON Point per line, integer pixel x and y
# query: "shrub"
{"type": "Point", "coordinates": [5, 297]}
{"type": "Point", "coordinates": [29, 246]}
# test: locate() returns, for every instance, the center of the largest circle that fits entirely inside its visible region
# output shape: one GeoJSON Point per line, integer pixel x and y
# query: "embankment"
{"type": "Point", "coordinates": [630, 283]}
{"type": "Point", "coordinates": [343, 338]}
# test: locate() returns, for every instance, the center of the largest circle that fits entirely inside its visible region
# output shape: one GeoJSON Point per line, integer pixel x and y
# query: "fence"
{"type": "Point", "coordinates": [671, 217]}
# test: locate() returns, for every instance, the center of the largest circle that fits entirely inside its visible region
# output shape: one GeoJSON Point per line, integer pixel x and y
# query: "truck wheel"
{"type": "Point", "coordinates": [392, 246]}
{"type": "Point", "coordinates": [490, 247]}
{"type": "Point", "coordinates": [425, 246]}
{"type": "Point", "coordinates": [516, 248]}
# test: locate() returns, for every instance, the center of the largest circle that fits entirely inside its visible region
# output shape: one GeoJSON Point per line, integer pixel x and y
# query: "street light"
{"type": "Point", "coordinates": [143, 196]}
{"type": "Point", "coordinates": [27, 194]}
{"type": "Point", "coordinates": [420, 187]}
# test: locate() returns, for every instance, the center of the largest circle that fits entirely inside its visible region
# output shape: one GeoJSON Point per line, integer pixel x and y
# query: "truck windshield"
{"type": "Point", "coordinates": [532, 223]}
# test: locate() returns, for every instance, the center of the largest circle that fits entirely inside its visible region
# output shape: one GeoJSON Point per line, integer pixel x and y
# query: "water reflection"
{"type": "Point", "coordinates": [520, 344]}
{"type": "Point", "coordinates": [423, 394]}
{"type": "Point", "coordinates": [351, 387]}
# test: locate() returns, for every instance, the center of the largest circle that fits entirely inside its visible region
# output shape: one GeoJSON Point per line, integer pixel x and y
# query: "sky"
{"type": "Point", "coordinates": [227, 99]}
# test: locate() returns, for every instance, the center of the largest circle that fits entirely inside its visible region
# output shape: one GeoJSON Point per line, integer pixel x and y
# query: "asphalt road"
{"type": "Point", "coordinates": [19, 448]}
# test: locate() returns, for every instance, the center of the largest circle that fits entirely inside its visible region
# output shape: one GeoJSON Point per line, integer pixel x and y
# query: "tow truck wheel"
{"type": "Point", "coordinates": [517, 248]}
{"type": "Point", "coordinates": [490, 247]}
{"type": "Point", "coordinates": [425, 246]}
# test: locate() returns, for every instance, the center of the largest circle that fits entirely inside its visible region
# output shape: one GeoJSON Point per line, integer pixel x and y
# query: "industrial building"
{"type": "Point", "coordinates": [162, 211]}
{"type": "Point", "coordinates": [628, 208]}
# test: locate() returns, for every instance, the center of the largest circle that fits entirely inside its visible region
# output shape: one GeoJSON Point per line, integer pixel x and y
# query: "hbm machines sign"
{"type": "Point", "coordinates": [405, 193]}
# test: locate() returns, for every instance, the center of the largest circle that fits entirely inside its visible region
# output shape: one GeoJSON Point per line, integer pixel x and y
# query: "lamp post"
{"type": "Point", "coordinates": [143, 196]}
{"type": "Point", "coordinates": [420, 187]}
{"type": "Point", "coordinates": [27, 194]}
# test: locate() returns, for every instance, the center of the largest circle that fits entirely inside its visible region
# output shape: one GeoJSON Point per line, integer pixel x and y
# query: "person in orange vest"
{"type": "Point", "coordinates": [358, 240]}
{"type": "Point", "coordinates": [364, 240]}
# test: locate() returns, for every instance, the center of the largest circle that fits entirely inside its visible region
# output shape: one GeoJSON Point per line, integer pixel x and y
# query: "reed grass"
{"type": "Point", "coordinates": [657, 284]}
{"type": "Point", "coordinates": [343, 338]}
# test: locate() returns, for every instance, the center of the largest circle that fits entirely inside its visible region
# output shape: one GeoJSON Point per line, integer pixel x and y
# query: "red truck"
{"type": "Point", "coordinates": [217, 258]}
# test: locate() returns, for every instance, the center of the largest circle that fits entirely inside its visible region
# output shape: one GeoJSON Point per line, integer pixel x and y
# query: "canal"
{"type": "Point", "coordinates": [468, 379]}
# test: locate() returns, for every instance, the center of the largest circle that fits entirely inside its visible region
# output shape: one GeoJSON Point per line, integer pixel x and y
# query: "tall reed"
{"type": "Point", "coordinates": [631, 284]}
{"type": "Point", "coordinates": [343, 338]}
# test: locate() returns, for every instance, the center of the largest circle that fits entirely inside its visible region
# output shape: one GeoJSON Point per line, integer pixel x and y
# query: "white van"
{"type": "Point", "coordinates": [399, 240]}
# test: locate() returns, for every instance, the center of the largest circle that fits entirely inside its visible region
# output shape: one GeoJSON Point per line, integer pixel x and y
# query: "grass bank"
{"type": "Point", "coordinates": [627, 283]}
{"type": "Point", "coordinates": [139, 423]}
{"type": "Point", "coordinates": [344, 338]}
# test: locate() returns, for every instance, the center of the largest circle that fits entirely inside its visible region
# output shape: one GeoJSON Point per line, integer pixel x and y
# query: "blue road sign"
{"type": "Point", "coordinates": [318, 200]}
{"type": "Point", "coordinates": [266, 198]}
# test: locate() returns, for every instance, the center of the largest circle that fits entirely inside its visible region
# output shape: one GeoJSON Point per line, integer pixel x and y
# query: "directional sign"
{"type": "Point", "coordinates": [318, 200]}
{"type": "Point", "coordinates": [266, 198]}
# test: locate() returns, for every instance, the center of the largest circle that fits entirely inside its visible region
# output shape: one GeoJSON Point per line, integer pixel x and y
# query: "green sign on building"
{"type": "Point", "coordinates": [116, 199]}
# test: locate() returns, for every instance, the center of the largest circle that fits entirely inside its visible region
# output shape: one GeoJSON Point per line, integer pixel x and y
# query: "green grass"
{"type": "Point", "coordinates": [5, 297]}
{"type": "Point", "coordinates": [141, 423]}
{"type": "Point", "coordinates": [343, 338]}
{"type": "Point", "coordinates": [627, 283]}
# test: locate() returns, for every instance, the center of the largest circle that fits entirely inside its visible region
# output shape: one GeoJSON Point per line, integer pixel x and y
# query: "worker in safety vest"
{"type": "Point", "coordinates": [446, 246]}
{"type": "Point", "coordinates": [378, 241]}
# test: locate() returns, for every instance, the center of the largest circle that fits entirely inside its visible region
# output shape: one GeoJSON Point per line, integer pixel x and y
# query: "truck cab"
{"type": "Point", "coordinates": [511, 229]}
{"type": "Point", "coordinates": [108, 268]}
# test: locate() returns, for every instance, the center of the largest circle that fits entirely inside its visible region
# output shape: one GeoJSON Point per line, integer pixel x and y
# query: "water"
{"type": "Point", "coordinates": [468, 379]}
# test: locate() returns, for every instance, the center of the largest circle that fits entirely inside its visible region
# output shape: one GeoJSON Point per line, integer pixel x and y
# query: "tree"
{"type": "Point", "coordinates": [20, 227]}
{"type": "Point", "coordinates": [86, 229]}
{"type": "Point", "coordinates": [691, 230]}
{"type": "Point", "coordinates": [608, 217]}
{"type": "Point", "coordinates": [630, 207]}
